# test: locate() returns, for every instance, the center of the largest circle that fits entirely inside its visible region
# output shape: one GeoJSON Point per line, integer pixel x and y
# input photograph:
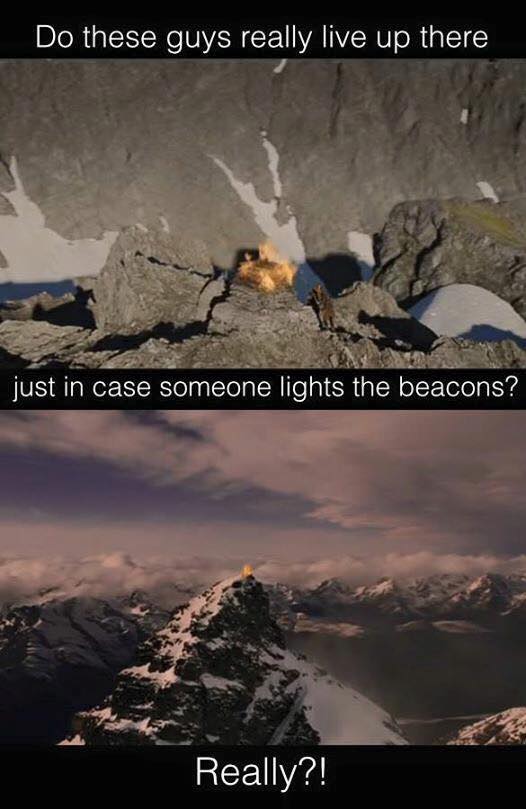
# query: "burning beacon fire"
{"type": "Point", "coordinates": [247, 571]}
{"type": "Point", "coordinates": [269, 272]}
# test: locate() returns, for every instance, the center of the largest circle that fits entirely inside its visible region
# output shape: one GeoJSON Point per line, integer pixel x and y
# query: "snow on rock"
{"type": "Point", "coordinates": [442, 596]}
{"type": "Point", "coordinates": [281, 67]}
{"type": "Point", "coordinates": [34, 252]}
{"type": "Point", "coordinates": [219, 672]}
{"type": "Point", "coordinates": [361, 245]}
{"type": "Point", "coordinates": [464, 310]}
{"type": "Point", "coordinates": [487, 191]}
{"type": "Point", "coordinates": [285, 236]}
{"type": "Point", "coordinates": [342, 629]}
{"type": "Point", "coordinates": [460, 627]}
{"type": "Point", "coordinates": [507, 727]}
{"type": "Point", "coordinates": [75, 741]}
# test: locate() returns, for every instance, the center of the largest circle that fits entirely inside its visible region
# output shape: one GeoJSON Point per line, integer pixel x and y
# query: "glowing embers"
{"type": "Point", "coordinates": [269, 272]}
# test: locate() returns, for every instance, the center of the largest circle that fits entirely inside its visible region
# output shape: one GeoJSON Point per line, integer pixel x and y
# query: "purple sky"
{"type": "Point", "coordinates": [362, 494]}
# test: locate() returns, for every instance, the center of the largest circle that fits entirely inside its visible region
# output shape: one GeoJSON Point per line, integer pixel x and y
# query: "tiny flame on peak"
{"type": "Point", "coordinates": [248, 570]}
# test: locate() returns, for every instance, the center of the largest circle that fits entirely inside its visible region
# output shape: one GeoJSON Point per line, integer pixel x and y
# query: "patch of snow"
{"type": "Point", "coordinates": [76, 740]}
{"type": "Point", "coordinates": [273, 164]}
{"type": "Point", "coordinates": [361, 245]}
{"type": "Point", "coordinates": [34, 252]}
{"type": "Point", "coordinates": [285, 237]}
{"type": "Point", "coordinates": [342, 629]}
{"type": "Point", "coordinates": [211, 681]}
{"type": "Point", "coordinates": [465, 310]}
{"type": "Point", "coordinates": [487, 191]}
{"type": "Point", "coordinates": [460, 627]}
{"type": "Point", "coordinates": [165, 224]}
{"type": "Point", "coordinates": [464, 116]}
{"type": "Point", "coordinates": [339, 713]}
{"type": "Point", "coordinates": [281, 67]}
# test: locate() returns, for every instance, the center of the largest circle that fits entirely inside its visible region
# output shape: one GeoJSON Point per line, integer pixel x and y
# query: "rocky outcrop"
{"type": "Point", "coordinates": [39, 343]}
{"type": "Point", "coordinates": [61, 655]}
{"type": "Point", "coordinates": [158, 303]}
{"type": "Point", "coordinates": [427, 245]}
{"type": "Point", "coordinates": [373, 314]}
{"type": "Point", "coordinates": [377, 342]}
{"type": "Point", "coordinates": [505, 728]}
{"type": "Point", "coordinates": [151, 278]}
{"type": "Point", "coordinates": [220, 673]}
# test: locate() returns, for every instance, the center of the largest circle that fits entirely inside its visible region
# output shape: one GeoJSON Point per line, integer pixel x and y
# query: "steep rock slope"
{"type": "Point", "coordinates": [102, 145]}
{"type": "Point", "coordinates": [506, 727]}
{"type": "Point", "coordinates": [59, 655]}
{"type": "Point", "coordinates": [426, 245]}
{"type": "Point", "coordinates": [220, 673]}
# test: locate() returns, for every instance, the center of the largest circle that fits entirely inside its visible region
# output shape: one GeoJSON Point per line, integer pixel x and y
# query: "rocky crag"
{"type": "Point", "coordinates": [159, 303]}
{"type": "Point", "coordinates": [219, 672]}
{"type": "Point", "coordinates": [213, 157]}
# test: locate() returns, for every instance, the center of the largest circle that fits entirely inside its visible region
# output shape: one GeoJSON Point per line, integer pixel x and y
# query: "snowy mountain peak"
{"type": "Point", "coordinates": [383, 587]}
{"type": "Point", "coordinates": [491, 591]}
{"type": "Point", "coordinates": [219, 673]}
{"type": "Point", "coordinates": [333, 587]}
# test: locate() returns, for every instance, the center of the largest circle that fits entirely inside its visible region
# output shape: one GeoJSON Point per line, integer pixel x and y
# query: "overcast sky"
{"type": "Point", "coordinates": [302, 494]}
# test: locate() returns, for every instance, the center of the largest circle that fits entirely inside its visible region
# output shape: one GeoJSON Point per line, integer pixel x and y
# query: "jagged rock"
{"type": "Point", "coordinates": [323, 351]}
{"type": "Point", "coordinates": [65, 310]}
{"type": "Point", "coordinates": [150, 278]}
{"type": "Point", "coordinates": [37, 342]}
{"type": "Point", "coordinates": [242, 328]}
{"type": "Point", "coordinates": [429, 244]}
{"type": "Point", "coordinates": [445, 353]}
{"type": "Point", "coordinates": [35, 307]}
{"type": "Point", "coordinates": [220, 673]}
{"type": "Point", "coordinates": [506, 727]}
{"type": "Point", "coordinates": [59, 655]}
{"type": "Point", "coordinates": [371, 312]}
{"type": "Point", "coordinates": [248, 311]}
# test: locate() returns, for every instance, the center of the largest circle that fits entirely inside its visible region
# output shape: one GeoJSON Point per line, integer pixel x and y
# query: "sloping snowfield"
{"type": "Point", "coordinates": [464, 310]}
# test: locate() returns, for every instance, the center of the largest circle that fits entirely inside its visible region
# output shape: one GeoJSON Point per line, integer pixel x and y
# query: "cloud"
{"type": "Point", "coordinates": [451, 482]}
{"type": "Point", "coordinates": [357, 571]}
{"type": "Point", "coordinates": [111, 574]}
{"type": "Point", "coordinates": [117, 574]}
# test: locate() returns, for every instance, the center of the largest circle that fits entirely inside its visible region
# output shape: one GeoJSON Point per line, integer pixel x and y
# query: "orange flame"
{"type": "Point", "coordinates": [248, 570]}
{"type": "Point", "coordinates": [269, 272]}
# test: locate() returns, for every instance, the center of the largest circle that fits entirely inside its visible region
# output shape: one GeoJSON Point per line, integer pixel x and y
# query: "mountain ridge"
{"type": "Point", "coordinates": [219, 673]}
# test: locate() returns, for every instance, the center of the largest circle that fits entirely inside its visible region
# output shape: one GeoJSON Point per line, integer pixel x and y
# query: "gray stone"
{"type": "Point", "coordinates": [150, 278]}
{"type": "Point", "coordinates": [428, 244]}
{"type": "Point", "coordinates": [63, 310]}
{"type": "Point", "coordinates": [245, 309]}
{"type": "Point", "coordinates": [371, 312]}
{"type": "Point", "coordinates": [38, 343]}
{"type": "Point", "coordinates": [105, 144]}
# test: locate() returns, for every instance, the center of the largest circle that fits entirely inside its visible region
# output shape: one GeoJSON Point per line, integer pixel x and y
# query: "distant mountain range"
{"type": "Point", "coordinates": [442, 654]}
{"type": "Point", "coordinates": [436, 598]}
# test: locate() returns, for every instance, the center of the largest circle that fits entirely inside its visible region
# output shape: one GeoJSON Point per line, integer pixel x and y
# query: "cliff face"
{"type": "Point", "coordinates": [103, 145]}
